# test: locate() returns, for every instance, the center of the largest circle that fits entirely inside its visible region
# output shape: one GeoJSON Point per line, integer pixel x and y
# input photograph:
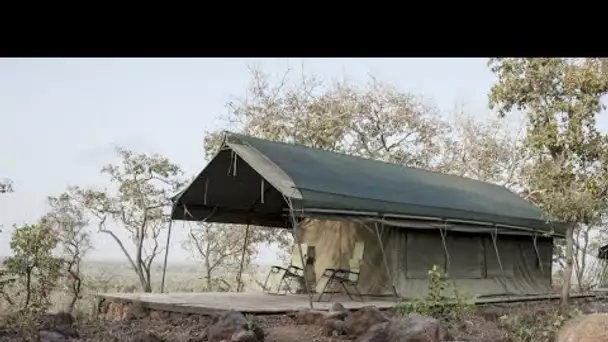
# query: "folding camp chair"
{"type": "Point", "coordinates": [295, 270]}
{"type": "Point", "coordinates": [346, 277]}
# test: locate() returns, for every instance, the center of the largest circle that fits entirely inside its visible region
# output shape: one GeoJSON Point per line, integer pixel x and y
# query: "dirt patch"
{"type": "Point", "coordinates": [138, 324]}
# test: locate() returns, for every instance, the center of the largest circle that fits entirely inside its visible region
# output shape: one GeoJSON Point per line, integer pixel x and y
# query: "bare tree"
{"type": "Point", "coordinates": [139, 205]}
{"type": "Point", "coordinates": [219, 248]}
{"type": "Point", "coordinates": [376, 121]}
{"type": "Point", "coordinates": [69, 222]}
{"type": "Point", "coordinates": [488, 149]}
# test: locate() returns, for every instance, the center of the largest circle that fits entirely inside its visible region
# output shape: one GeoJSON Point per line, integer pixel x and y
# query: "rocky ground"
{"type": "Point", "coordinates": [127, 323]}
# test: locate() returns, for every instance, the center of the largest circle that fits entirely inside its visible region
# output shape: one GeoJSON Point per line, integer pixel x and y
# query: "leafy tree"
{"type": "Point", "coordinates": [69, 223]}
{"type": "Point", "coordinates": [561, 98]}
{"type": "Point", "coordinates": [375, 121]}
{"type": "Point", "coordinates": [33, 262]}
{"type": "Point", "coordinates": [139, 205]}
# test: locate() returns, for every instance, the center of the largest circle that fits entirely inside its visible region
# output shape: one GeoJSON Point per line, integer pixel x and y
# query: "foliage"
{"type": "Point", "coordinates": [376, 121]}
{"type": "Point", "coordinates": [139, 205]}
{"type": "Point", "coordinates": [530, 326]}
{"type": "Point", "coordinates": [220, 249]}
{"type": "Point", "coordinates": [449, 308]}
{"type": "Point", "coordinates": [6, 186]}
{"type": "Point", "coordinates": [561, 98]}
{"type": "Point", "coordinates": [250, 322]}
{"type": "Point", "coordinates": [33, 263]}
{"type": "Point", "coordinates": [69, 223]}
{"type": "Point", "coordinates": [489, 150]}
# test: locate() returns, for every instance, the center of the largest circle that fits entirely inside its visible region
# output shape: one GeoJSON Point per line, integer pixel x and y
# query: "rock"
{"type": "Point", "coordinates": [230, 324]}
{"type": "Point", "coordinates": [310, 317]}
{"type": "Point", "coordinates": [244, 336]}
{"type": "Point", "coordinates": [57, 327]}
{"type": "Point", "coordinates": [102, 305]}
{"type": "Point", "coordinates": [491, 314]}
{"type": "Point", "coordinates": [333, 327]}
{"type": "Point", "coordinates": [416, 328]}
{"type": "Point", "coordinates": [360, 321]}
{"type": "Point", "coordinates": [412, 328]}
{"type": "Point", "coordinates": [159, 315]}
{"type": "Point", "coordinates": [337, 307]}
{"type": "Point", "coordinates": [58, 319]}
{"type": "Point", "coordinates": [148, 337]}
{"type": "Point", "coordinates": [595, 307]}
{"type": "Point", "coordinates": [587, 328]}
{"type": "Point", "coordinates": [376, 333]}
{"type": "Point", "coordinates": [114, 312]}
{"type": "Point", "coordinates": [52, 336]}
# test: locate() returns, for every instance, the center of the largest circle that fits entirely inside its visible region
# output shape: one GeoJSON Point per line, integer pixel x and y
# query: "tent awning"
{"type": "Point", "coordinates": [256, 181]}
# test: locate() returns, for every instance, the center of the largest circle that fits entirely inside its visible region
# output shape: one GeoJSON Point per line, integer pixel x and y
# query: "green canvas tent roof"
{"type": "Point", "coordinates": [254, 180]}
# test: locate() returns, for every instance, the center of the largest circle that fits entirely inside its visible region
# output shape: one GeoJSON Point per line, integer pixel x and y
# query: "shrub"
{"type": "Point", "coordinates": [535, 327]}
{"type": "Point", "coordinates": [437, 304]}
{"type": "Point", "coordinates": [33, 264]}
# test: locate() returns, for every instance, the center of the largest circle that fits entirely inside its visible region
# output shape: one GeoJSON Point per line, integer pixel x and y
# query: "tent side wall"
{"type": "Point", "coordinates": [473, 264]}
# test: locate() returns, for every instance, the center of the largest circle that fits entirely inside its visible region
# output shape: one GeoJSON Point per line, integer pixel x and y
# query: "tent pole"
{"type": "Point", "coordinates": [162, 282]}
{"type": "Point", "coordinates": [502, 270]}
{"type": "Point", "coordinates": [388, 271]}
{"type": "Point", "coordinates": [239, 284]}
{"type": "Point", "coordinates": [443, 232]}
{"type": "Point", "coordinates": [540, 263]}
{"type": "Point", "coordinates": [295, 225]}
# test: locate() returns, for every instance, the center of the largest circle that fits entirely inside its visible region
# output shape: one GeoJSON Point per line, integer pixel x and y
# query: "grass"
{"type": "Point", "coordinates": [116, 276]}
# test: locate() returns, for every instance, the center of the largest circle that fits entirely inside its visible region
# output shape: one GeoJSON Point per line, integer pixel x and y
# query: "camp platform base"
{"type": "Point", "coordinates": [258, 303]}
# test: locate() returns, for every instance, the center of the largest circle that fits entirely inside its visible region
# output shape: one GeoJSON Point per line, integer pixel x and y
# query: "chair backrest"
{"type": "Point", "coordinates": [358, 250]}
{"type": "Point", "coordinates": [295, 255]}
{"type": "Point", "coordinates": [354, 264]}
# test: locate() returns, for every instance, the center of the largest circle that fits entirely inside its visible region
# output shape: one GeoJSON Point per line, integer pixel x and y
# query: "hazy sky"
{"type": "Point", "coordinates": [60, 118]}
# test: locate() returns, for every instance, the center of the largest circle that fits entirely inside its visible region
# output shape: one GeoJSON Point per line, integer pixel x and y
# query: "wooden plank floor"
{"type": "Point", "coordinates": [255, 303]}
{"type": "Point", "coordinates": [259, 303]}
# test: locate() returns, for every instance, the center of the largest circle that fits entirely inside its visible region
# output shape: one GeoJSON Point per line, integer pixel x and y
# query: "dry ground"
{"type": "Point", "coordinates": [480, 326]}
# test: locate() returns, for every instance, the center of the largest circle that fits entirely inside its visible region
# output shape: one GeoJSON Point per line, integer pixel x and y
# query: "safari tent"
{"type": "Point", "coordinates": [490, 240]}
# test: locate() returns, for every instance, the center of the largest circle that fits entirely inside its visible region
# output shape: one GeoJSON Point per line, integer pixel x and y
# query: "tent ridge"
{"type": "Point", "coordinates": [410, 204]}
{"type": "Point", "coordinates": [281, 181]}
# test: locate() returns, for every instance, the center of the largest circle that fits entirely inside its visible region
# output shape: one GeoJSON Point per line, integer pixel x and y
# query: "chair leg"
{"type": "Point", "coordinates": [324, 288]}
{"type": "Point", "coordinates": [346, 289]}
{"type": "Point", "coordinates": [284, 281]}
{"type": "Point", "coordinates": [265, 289]}
{"type": "Point", "coordinates": [358, 293]}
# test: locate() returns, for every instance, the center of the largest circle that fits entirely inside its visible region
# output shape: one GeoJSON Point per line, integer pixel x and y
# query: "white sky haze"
{"type": "Point", "coordinates": [61, 118]}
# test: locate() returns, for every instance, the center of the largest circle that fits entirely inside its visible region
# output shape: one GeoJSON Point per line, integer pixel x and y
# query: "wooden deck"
{"type": "Point", "coordinates": [259, 303]}
{"type": "Point", "coordinates": [255, 303]}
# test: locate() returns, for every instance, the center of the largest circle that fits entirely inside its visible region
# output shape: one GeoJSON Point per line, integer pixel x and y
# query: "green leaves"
{"type": "Point", "coordinates": [139, 203]}
{"type": "Point", "coordinates": [33, 261]}
{"type": "Point", "coordinates": [561, 98]}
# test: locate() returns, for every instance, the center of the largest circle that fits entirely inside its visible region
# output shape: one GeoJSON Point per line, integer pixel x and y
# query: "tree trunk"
{"type": "Point", "coordinates": [28, 287]}
{"type": "Point", "coordinates": [565, 300]}
{"type": "Point", "coordinates": [147, 281]}
{"type": "Point", "coordinates": [208, 271]}
{"type": "Point", "coordinates": [76, 286]}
